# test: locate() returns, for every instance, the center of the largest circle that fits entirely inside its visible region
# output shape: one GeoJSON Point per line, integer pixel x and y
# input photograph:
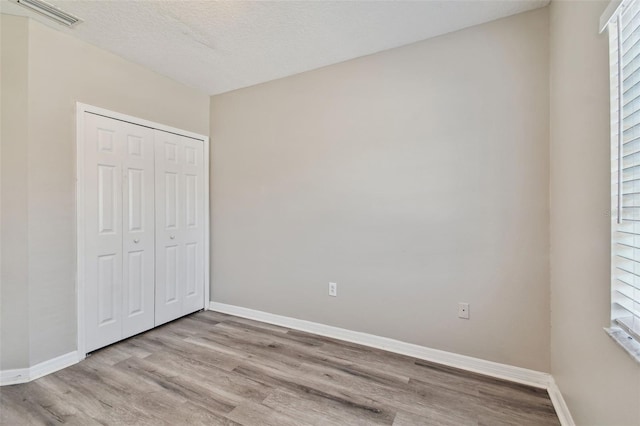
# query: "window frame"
{"type": "Point", "coordinates": [627, 337]}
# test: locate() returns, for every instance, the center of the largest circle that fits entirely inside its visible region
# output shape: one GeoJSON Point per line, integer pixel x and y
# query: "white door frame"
{"type": "Point", "coordinates": [81, 109]}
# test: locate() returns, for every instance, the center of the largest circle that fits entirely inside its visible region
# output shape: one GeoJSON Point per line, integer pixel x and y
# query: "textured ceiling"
{"type": "Point", "coordinates": [218, 46]}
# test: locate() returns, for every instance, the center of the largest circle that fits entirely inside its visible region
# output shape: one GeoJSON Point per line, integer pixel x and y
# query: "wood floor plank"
{"type": "Point", "coordinates": [169, 343]}
{"type": "Point", "coordinates": [349, 401]}
{"type": "Point", "coordinates": [264, 349]}
{"type": "Point", "coordinates": [313, 410]}
{"type": "Point", "coordinates": [424, 402]}
{"type": "Point", "coordinates": [211, 368]}
{"type": "Point", "coordinates": [257, 414]}
{"type": "Point", "coordinates": [44, 407]}
{"type": "Point", "coordinates": [176, 385]}
{"type": "Point", "coordinates": [97, 399]}
{"type": "Point", "coordinates": [437, 419]}
{"type": "Point", "coordinates": [225, 386]}
{"type": "Point", "coordinates": [293, 352]}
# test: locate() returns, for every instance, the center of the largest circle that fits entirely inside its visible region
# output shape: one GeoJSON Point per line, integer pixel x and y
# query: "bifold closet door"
{"type": "Point", "coordinates": [180, 219]}
{"type": "Point", "coordinates": [119, 230]}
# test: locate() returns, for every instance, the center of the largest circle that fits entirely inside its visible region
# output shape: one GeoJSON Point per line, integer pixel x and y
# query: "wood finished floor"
{"type": "Point", "coordinates": [215, 369]}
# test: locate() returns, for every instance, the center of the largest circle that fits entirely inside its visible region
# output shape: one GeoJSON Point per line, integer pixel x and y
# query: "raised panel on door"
{"type": "Point", "coordinates": [138, 230]}
{"type": "Point", "coordinates": [170, 255]}
{"type": "Point", "coordinates": [103, 231]}
{"type": "Point", "coordinates": [193, 224]}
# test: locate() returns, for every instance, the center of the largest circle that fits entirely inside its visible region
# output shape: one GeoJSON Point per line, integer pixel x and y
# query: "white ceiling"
{"type": "Point", "coordinates": [218, 46]}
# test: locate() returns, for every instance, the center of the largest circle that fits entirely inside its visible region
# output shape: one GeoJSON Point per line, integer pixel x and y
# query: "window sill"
{"type": "Point", "coordinates": [631, 346]}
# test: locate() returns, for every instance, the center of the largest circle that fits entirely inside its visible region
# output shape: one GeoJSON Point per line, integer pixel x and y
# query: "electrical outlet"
{"type": "Point", "coordinates": [333, 289]}
{"type": "Point", "coordinates": [463, 310]}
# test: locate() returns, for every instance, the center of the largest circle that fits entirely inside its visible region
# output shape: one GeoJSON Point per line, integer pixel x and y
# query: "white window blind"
{"type": "Point", "coordinates": [624, 36]}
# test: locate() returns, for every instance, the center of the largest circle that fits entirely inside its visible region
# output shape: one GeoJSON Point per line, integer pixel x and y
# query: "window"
{"type": "Point", "coordinates": [624, 38]}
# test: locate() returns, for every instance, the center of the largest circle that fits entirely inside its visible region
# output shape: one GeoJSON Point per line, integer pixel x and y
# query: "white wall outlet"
{"type": "Point", "coordinates": [333, 289]}
{"type": "Point", "coordinates": [463, 310]}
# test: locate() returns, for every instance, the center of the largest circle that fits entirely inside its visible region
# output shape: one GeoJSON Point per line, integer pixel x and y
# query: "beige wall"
{"type": "Point", "coordinates": [14, 324]}
{"type": "Point", "coordinates": [415, 178]}
{"type": "Point", "coordinates": [63, 70]}
{"type": "Point", "coordinates": [599, 381]}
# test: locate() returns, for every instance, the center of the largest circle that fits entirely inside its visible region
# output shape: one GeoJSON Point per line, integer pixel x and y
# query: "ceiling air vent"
{"type": "Point", "coordinates": [50, 11]}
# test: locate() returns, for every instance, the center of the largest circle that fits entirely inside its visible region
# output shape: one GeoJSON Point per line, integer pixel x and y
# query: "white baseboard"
{"type": "Point", "coordinates": [14, 376]}
{"type": "Point", "coordinates": [23, 375]}
{"type": "Point", "coordinates": [501, 371]}
{"type": "Point", "coordinates": [489, 368]}
{"type": "Point", "coordinates": [562, 410]}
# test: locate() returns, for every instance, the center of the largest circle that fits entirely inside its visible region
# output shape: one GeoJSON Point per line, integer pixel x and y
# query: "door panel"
{"type": "Point", "coordinates": [119, 230]}
{"type": "Point", "coordinates": [107, 289]}
{"type": "Point", "coordinates": [135, 145]}
{"type": "Point", "coordinates": [105, 137]}
{"type": "Point", "coordinates": [171, 275]}
{"type": "Point", "coordinates": [139, 230]}
{"type": "Point", "coordinates": [136, 194]}
{"type": "Point", "coordinates": [103, 231]}
{"type": "Point", "coordinates": [171, 200]}
{"type": "Point", "coordinates": [191, 268]}
{"type": "Point", "coordinates": [108, 194]}
{"type": "Point", "coordinates": [136, 281]}
{"type": "Point", "coordinates": [169, 252]}
{"type": "Point", "coordinates": [191, 202]}
{"type": "Point", "coordinates": [179, 230]}
{"type": "Point", "coordinates": [193, 224]}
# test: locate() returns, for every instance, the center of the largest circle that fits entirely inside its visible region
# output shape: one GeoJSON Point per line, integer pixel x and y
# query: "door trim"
{"type": "Point", "coordinates": [81, 109]}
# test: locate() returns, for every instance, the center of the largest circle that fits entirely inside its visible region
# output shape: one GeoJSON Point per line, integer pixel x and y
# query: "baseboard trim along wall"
{"type": "Point", "coordinates": [23, 375]}
{"type": "Point", "coordinates": [562, 410]}
{"type": "Point", "coordinates": [501, 371]}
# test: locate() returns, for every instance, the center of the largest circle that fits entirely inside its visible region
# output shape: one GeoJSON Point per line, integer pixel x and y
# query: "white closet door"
{"type": "Point", "coordinates": [138, 230]}
{"type": "Point", "coordinates": [193, 235]}
{"type": "Point", "coordinates": [119, 277]}
{"type": "Point", "coordinates": [179, 226]}
{"type": "Point", "coordinates": [103, 231]}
